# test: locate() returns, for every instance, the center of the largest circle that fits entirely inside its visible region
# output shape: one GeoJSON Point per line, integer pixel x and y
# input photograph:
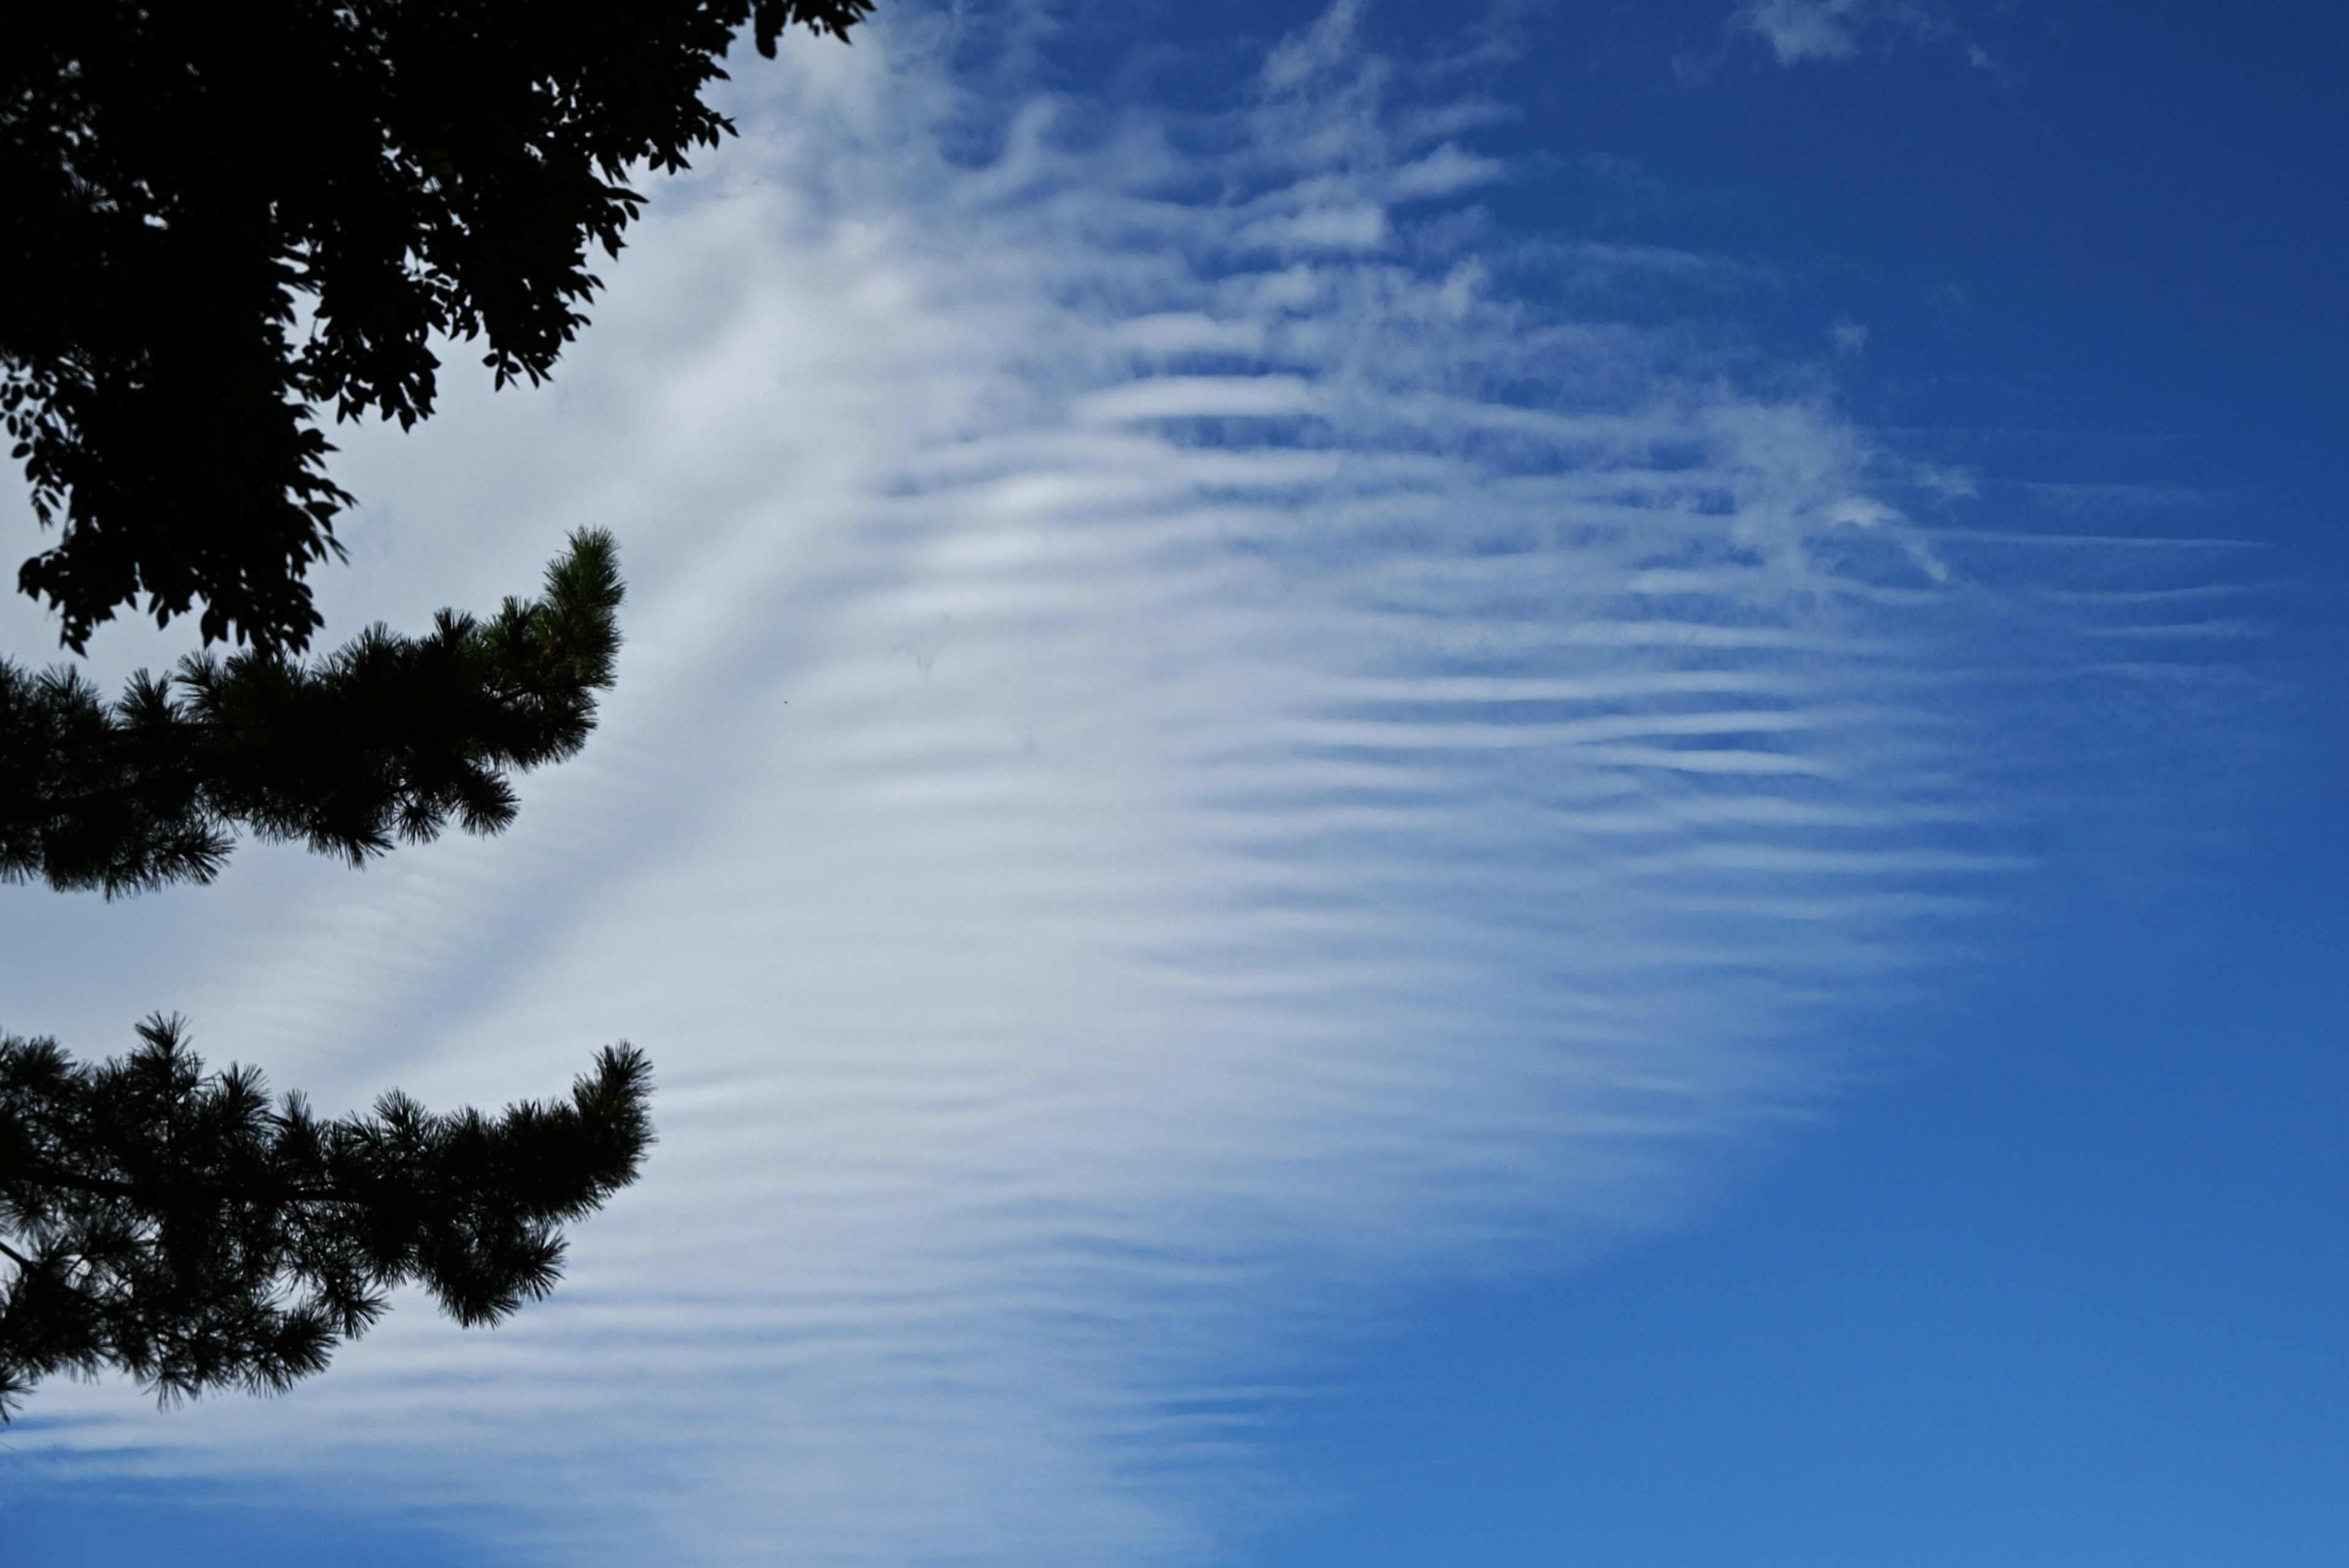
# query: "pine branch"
{"type": "Point", "coordinates": [179, 1226]}
{"type": "Point", "coordinates": [387, 739]}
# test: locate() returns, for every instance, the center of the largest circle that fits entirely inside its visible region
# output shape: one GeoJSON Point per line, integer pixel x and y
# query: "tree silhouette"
{"type": "Point", "coordinates": [387, 738]}
{"type": "Point", "coordinates": [185, 1228]}
{"type": "Point", "coordinates": [214, 222]}
{"type": "Point", "coordinates": [175, 176]}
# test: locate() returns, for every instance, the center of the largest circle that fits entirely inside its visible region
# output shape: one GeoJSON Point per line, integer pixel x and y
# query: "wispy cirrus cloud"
{"type": "Point", "coordinates": [1804, 30]}
{"type": "Point", "coordinates": [1187, 766]}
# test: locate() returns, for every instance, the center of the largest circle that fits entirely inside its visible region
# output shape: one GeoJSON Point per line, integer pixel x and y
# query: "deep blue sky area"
{"type": "Point", "coordinates": [2122, 222]}
{"type": "Point", "coordinates": [2070, 1285]}
{"type": "Point", "coordinates": [159, 1524]}
{"type": "Point", "coordinates": [2074, 1293]}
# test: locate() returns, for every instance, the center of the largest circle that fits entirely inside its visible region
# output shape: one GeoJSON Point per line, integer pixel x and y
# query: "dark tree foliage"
{"type": "Point", "coordinates": [183, 1227]}
{"type": "Point", "coordinates": [388, 738]}
{"type": "Point", "coordinates": [216, 220]}
{"type": "Point", "coordinates": [177, 1226]}
{"type": "Point", "coordinates": [176, 176]}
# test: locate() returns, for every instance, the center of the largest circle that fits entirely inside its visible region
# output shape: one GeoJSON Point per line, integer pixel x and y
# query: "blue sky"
{"type": "Point", "coordinates": [1516, 784]}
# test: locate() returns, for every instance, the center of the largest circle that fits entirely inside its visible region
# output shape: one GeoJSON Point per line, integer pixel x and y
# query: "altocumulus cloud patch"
{"type": "Point", "coordinates": [1189, 763]}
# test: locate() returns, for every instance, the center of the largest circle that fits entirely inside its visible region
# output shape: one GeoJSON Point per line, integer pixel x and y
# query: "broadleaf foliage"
{"type": "Point", "coordinates": [176, 176]}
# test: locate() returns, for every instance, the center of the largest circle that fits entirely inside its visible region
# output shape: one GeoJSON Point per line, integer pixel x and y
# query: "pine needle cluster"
{"type": "Point", "coordinates": [387, 739]}
{"type": "Point", "coordinates": [183, 1228]}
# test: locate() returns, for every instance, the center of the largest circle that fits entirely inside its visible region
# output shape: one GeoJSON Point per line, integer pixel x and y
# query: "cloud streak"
{"type": "Point", "coordinates": [1187, 766]}
{"type": "Point", "coordinates": [1806, 30]}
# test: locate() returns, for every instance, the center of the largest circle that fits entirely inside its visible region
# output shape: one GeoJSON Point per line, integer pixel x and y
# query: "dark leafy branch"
{"type": "Point", "coordinates": [217, 221]}
{"type": "Point", "coordinates": [176, 176]}
{"type": "Point", "coordinates": [389, 738]}
{"type": "Point", "coordinates": [183, 1227]}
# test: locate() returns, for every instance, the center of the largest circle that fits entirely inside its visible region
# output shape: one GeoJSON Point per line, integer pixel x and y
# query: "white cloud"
{"type": "Point", "coordinates": [1805, 30]}
{"type": "Point", "coordinates": [1182, 770]}
{"type": "Point", "coordinates": [1799, 30]}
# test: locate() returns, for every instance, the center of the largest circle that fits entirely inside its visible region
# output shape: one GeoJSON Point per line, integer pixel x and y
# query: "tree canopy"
{"type": "Point", "coordinates": [215, 222]}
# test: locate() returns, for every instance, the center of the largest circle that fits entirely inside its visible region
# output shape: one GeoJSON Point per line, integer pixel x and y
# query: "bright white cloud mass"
{"type": "Point", "coordinates": [1190, 763]}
